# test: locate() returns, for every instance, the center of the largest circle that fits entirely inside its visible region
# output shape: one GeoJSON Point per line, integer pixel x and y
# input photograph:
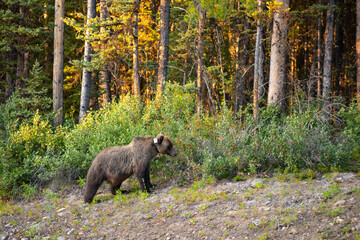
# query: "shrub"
{"type": "Point", "coordinates": [30, 154]}
{"type": "Point", "coordinates": [219, 146]}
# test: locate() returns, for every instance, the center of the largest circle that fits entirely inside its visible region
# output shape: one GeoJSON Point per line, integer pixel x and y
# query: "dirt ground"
{"type": "Point", "coordinates": [277, 207]}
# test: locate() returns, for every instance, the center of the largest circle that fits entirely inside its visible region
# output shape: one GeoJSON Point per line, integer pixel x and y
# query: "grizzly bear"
{"type": "Point", "coordinates": [115, 164]}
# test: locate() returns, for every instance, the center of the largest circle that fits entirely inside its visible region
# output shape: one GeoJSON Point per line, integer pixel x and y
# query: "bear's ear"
{"type": "Point", "coordinates": [160, 138]}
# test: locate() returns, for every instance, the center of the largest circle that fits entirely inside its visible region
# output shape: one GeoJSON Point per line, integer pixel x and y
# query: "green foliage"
{"type": "Point", "coordinates": [25, 103]}
{"type": "Point", "coordinates": [28, 191]}
{"type": "Point", "coordinates": [351, 116]}
{"type": "Point", "coordinates": [210, 146]}
{"type": "Point", "coordinates": [30, 154]}
{"type": "Point", "coordinates": [334, 189]}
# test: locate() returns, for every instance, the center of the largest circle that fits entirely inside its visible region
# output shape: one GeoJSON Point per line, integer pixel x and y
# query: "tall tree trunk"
{"type": "Point", "coordinates": [314, 86]}
{"type": "Point", "coordinates": [318, 56]}
{"type": "Point", "coordinates": [339, 48]}
{"type": "Point", "coordinates": [154, 10]}
{"type": "Point", "coordinates": [19, 82]}
{"type": "Point", "coordinates": [278, 57]}
{"type": "Point", "coordinates": [328, 52]}
{"type": "Point", "coordinates": [219, 62]}
{"type": "Point", "coordinates": [258, 71]}
{"type": "Point", "coordinates": [242, 44]}
{"type": "Point", "coordinates": [105, 73]}
{"type": "Point", "coordinates": [58, 67]}
{"type": "Point", "coordinates": [163, 46]}
{"type": "Point", "coordinates": [86, 76]}
{"type": "Point", "coordinates": [10, 77]}
{"type": "Point", "coordinates": [358, 51]}
{"type": "Point", "coordinates": [136, 76]}
{"type": "Point", "coordinates": [199, 55]}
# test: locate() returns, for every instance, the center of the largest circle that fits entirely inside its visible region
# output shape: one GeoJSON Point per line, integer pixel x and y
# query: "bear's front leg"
{"type": "Point", "coordinates": [147, 177]}
{"type": "Point", "coordinates": [140, 178]}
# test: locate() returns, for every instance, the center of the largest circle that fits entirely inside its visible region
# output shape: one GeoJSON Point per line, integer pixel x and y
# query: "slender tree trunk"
{"type": "Point", "coordinates": [10, 76]}
{"type": "Point", "coordinates": [105, 73]}
{"type": "Point", "coordinates": [258, 63]}
{"type": "Point", "coordinates": [10, 84]}
{"type": "Point", "coordinates": [58, 67]}
{"type": "Point", "coordinates": [163, 46]}
{"type": "Point", "coordinates": [278, 57]}
{"type": "Point", "coordinates": [199, 55]}
{"type": "Point", "coordinates": [339, 48]}
{"type": "Point", "coordinates": [358, 51]}
{"type": "Point", "coordinates": [242, 44]}
{"type": "Point", "coordinates": [19, 83]}
{"type": "Point", "coordinates": [328, 52]}
{"type": "Point", "coordinates": [318, 56]}
{"type": "Point", "coordinates": [154, 10]}
{"type": "Point", "coordinates": [219, 62]}
{"type": "Point", "coordinates": [86, 76]}
{"type": "Point", "coordinates": [239, 87]}
{"type": "Point", "coordinates": [136, 76]}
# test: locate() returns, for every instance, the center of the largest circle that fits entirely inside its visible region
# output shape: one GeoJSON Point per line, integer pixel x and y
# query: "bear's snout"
{"type": "Point", "coordinates": [174, 153]}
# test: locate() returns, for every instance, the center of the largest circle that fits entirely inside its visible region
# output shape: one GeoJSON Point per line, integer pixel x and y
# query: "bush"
{"type": "Point", "coordinates": [218, 146]}
{"type": "Point", "coordinates": [30, 154]}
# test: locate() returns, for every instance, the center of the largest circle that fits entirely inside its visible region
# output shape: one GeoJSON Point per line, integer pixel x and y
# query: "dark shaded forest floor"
{"type": "Point", "coordinates": [278, 207]}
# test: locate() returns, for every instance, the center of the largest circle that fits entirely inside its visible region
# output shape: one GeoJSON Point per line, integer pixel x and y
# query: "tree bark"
{"type": "Point", "coordinates": [278, 57]}
{"type": "Point", "coordinates": [258, 61]}
{"type": "Point", "coordinates": [163, 46]}
{"type": "Point", "coordinates": [19, 82]}
{"type": "Point", "coordinates": [86, 76]}
{"type": "Point", "coordinates": [136, 76]}
{"type": "Point", "coordinates": [154, 10]}
{"type": "Point", "coordinates": [328, 52]}
{"type": "Point", "coordinates": [358, 51]}
{"type": "Point", "coordinates": [339, 49]}
{"type": "Point", "coordinates": [10, 76]}
{"type": "Point", "coordinates": [105, 73]}
{"type": "Point", "coordinates": [242, 58]}
{"type": "Point", "coordinates": [58, 67]}
{"type": "Point", "coordinates": [199, 55]}
{"type": "Point", "coordinates": [318, 56]}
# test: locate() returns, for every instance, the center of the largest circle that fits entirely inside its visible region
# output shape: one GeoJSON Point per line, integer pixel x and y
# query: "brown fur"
{"type": "Point", "coordinates": [115, 164]}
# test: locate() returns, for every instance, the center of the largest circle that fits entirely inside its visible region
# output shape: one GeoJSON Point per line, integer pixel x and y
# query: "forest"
{"type": "Point", "coordinates": [240, 86]}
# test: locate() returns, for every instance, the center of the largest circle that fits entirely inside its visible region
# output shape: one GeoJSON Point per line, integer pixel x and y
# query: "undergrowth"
{"type": "Point", "coordinates": [32, 153]}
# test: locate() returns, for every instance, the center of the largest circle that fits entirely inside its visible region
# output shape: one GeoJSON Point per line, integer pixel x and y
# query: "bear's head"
{"type": "Point", "coordinates": [164, 145]}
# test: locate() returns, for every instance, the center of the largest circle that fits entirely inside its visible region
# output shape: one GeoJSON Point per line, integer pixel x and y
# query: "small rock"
{"type": "Point", "coordinates": [232, 213]}
{"type": "Point", "coordinates": [61, 209]}
{"type": "Point", "coordinates": [61, 238]}
{"type": "Point", "coordinates": [357, 227]}
{"type": "Point", "coordinates": [256, 182]}
{"type": "Point", "coordinates": [338, 220]}
{"type": "Point", "coordinates": [293, 231]}
{"type": "Point", "coordinates": [339, 203]}
{"type": "Point", "coordinates": [338, 180]}
{"type": "Point", "coordinates": [70, 231]}
{"type": "Point", "coordinates": [5, 237]}
{"type": "Point", "coordinates": [257, 222]}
